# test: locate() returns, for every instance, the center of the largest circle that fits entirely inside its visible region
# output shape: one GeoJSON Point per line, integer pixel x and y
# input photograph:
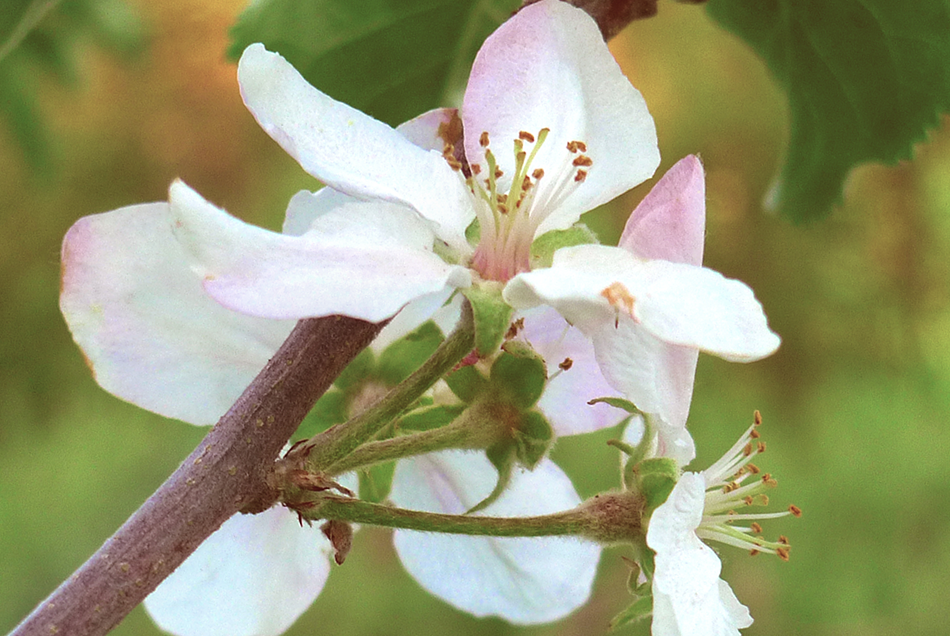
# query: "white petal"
{"type": "Point", "coordinates": [253, 577]}
{"type": "Point", "coordinates": [350, 151]}
{"type": "Point", "coordinates": [523, 580]}
{"type": "Point", "coordinates": [679, 304]}
{"type": "Point", "coordinates": [548, 67]}
{"type": "Point", "coordinates": [306, 206]}
{"type": "Point", "coordinates": [361, 260]}
{"type": "Point", "coordinates": [566, 396]}
{"type": "Point", "coordinates": [688, 595]}
{"type": "Point", "coordinates": [148, 331]}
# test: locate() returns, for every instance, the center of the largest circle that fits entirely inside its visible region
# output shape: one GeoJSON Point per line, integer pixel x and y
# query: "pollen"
{"type": "Point", "coordinates": [565, 364]}
{"type": "Point", "coordinates": [583, 160]}
{"type": "Point", "coordinates": [483, 140]}
{"type": "Point", "coordinates": [795, 510]}
{"type": "Point", "coordinates": [537, 174]}
{"type": "Point", "coordinates": [526, 136]}
{"type": "Point", "coordinates": [580, 176]}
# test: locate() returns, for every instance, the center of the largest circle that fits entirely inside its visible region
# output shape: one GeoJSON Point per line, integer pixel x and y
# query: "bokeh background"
{"type": "Point", "coordinates": [856, 405]}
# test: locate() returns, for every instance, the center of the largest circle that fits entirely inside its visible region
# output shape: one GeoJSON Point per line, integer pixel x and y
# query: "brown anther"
{"type": "Point", "coordinates": [752, 468]}
{"type": "Point", "coordinates": [766, 476]}
{"type": "Point", "coordinates": [483, 139]}
{"type": "Point", "coordinates": [448, 150]}
{"type": "Point", "coordinates": [757, 418]}
{"type": "Point", "coordinates": [503, 208]}
{"type": "Point", "coordinates": [795, 510]}
{"type": "Point", "coordinates": [526, 183]}
{"type": "Point", "coordinates": [515, 327]}
{"type": "Point", "coordinates": [783, 539]}
{"type": "Point", "coordinates": [754, 434]}
{"type": "Point", "coordinates": [565, 364]}
{"type": "Point", "coordinates": [732, 513]}
{"type": "Point", "coordinates": [619, 297]}
{"type": "Point", "coordinates": [583, 160]}
{"type": "Point", "coordinates": [454, 164]}
{"type": "Point", "coordinates": [476, 168]}
{"type": "Point", "coordinates": [764, 499]}
{"type": "Point", "coordinates": [580, 176]}
{"type": "Point", "coordinates": [498, 173]}
{"type": "Point", "coordinates": [526, 136]}
{"type": "Point", "coordinates": [747, 450]}
{"type": "Point", "coordinates": [748, 500]}
{"type": "Point", "coordinates": [731, 486]}
{"type": "Point", "coordinates": [782, 553]}
{"type": "Point", "coordinates": [520, 156]}
{"type": "Point", "coordinates": [538, 173]}
{"type": "Point", "coordinates": [756, 528]}
{"type": "Point", "coordinates": [502, 198]}
{"type": "Point", "coordinates": [574, 146]}
{"type": "Point", "coordinates": [761, 447]}
{"type": "Point", "coordinates": [753, 552]}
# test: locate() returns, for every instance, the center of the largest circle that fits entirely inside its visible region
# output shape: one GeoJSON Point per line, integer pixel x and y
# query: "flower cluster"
{"type": "Point", "coordinates": [177, 305]}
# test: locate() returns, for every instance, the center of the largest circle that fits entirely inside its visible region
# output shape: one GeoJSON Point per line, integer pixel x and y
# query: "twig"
{"type": "Point", "coordinates": [226, 473]}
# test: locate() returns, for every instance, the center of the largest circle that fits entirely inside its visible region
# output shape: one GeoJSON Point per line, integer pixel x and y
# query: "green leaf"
{"type": "Point", "coordinates": [392, 59]}
{"type": "Point", "coordinates": [865, 79]}
{"type": "Point", "coordinates": [356, 371]}
{"type": "Point", "coordinates": [637, 611]}
{"type": "Point", "coordinates": [408, 353]}
{"type": "Point", "coordinates": [376, 482]}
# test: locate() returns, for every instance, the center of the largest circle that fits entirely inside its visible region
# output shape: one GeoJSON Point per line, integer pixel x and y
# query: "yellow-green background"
{"type": "Point", "coordinates": [855, 402]}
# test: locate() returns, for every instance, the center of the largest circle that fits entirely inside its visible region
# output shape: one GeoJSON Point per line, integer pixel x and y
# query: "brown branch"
{"type": "Point", "coordinates": [225, 474]}
{"type": "Point", "coordinates": [613, 15]}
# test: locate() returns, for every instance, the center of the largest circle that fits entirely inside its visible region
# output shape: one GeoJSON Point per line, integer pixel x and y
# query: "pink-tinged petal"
{"type": "Point", "coordinates": [361, 260]}
{"type": "Point", "coordinates": [350, 151]}
{"type": "Point", "coordinates": [688, 595]}
{"type": "Point", "coordinates": [423, 131]}
{"type": "Point", "coordinates": [148, 330]}
{"type": "Point", "coordinates": [679, 304]}
{"type": "Point", "coordinates": [566, 396]}
{"type": "Point", "coordinates": [548, 67]}
{"type": "Point", "coordinates": [670, 222]}
{"type": "Point", "coordinates": [523, 580]}
{"type": "Point", "coordinates": [253, 577]}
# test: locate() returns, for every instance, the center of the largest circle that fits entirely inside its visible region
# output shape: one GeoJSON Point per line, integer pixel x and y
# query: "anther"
{"type": "Point", "coordinates": [761, 447]}
{"type": "Point", "coordinates": [748, 500]}
{"type": "Point", "coordinates": [752, 468]}
{"type": "Point", "coordinates": [538, 173]}
{"type": "Point", "coordinates": [483, 140]}
{"type": "Point", "coordinates": [757, 418]}
{"type": "Point", "coordinates": [754, 434]}
{"type": "Point", "coordinates": [756, 528]}
{"type": "Point", "coordinates": [580, 176]}
{"type": "Point", "coordinates": [753, 552]}
{"type": "Point", "coordinates": [782, 553]}
{"type": "Point", "coordinates": [476, 168]}
{"type": "Point", "coordinates": [795, 510]}
{"type": "Point", "coordinates": [583, 160]}
{"type": "Point", "coordinates": [526, 136]}
{"type": "Point", "coordinates": [566, 364]}
{"type": "Point", "coordinates": [498, 173]}
{"type": "Point", "coordinates": [747, 450]}
{"type": "Point", "coordinates": [783, 539]}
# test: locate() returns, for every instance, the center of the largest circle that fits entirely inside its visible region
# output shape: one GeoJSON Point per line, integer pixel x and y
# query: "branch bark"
{"type": "Point", "coordinates": [227, 473]}
{"type": "Point", "coordinates": [613, 15]}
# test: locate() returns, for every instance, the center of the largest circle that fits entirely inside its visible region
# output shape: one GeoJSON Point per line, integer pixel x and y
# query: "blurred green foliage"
{"type": "Point", "coordinates": [42, 38]}
{"type": "Point", "coordinates": [866, 80]}
{"type": "Point", "coordinates": [855, 402]}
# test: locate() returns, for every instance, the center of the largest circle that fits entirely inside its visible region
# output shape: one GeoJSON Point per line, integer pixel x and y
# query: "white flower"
{"type": "Point", "coordinates": [689, 598]}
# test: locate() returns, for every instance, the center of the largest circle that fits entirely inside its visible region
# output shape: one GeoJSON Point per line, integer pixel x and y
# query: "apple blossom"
{"type": "Point", "coordinates": [689, 598]}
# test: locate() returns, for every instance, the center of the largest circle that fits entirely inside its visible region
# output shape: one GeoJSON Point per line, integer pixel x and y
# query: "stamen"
{"type": "Point", "coordinates": [566, 364]}
{"type": "Point", "coordinates": [483, 140]}
{"type": "Point", "coordinates": [537, 174]}
{"type": "Point", "coordinates": [795, 510]}
{"type": "Point", "coordinates": [583, 160]}
{"type": "Point", "coordinates": [580, 176]}
{"type": "Point", "coordinates": [526, 136]}
{"type": "Point", "coordinates": [476, 168]}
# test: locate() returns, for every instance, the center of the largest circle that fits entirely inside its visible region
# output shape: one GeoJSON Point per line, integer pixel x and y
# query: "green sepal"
{"type": "Point", "coordinates": [519, 374]}
{"type": "Point", "coordinates": [655, 478]}
{"type": "Point", "coordinates": [466, 383]}
{"type": "Point", "coordinates": [543, 247]}
{"type": "Point", "coordinates": [408, 353]}
{"type": "Point", "coordinates": [492, 317]}
{"type": "Point", "coordinates": [503, 458]}
{"type": "Point", "coordinates": [636, 612]}
{"type": "Point", "coordinates": [356, 371]}
{"type": "Point", "coordinates": [618, 403]}
{"type": "Point", "coordinates": [431, 417]}
{"type": "Point", "coordinates": [473, 232]}
{"type": "Point", "coordinates": [533, 438]}
{"type": "Point", "coordinates": [376, 481]}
